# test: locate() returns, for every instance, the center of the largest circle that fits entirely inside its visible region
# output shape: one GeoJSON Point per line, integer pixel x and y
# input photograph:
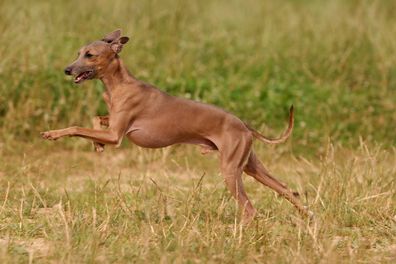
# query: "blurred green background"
{"type": "Point", "coordinates": [334, 60]}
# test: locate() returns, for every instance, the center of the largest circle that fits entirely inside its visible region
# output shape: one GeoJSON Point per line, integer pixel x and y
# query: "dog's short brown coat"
{"type": "Point", "coordinates": [153, 119]}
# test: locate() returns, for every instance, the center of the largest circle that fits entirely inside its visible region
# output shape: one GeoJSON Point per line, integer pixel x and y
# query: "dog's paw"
{"type": "Point", "coordinates": [248, 216]}
{"type": "Point", "coordinates": [98, 147]}
{"type": "Point", "coordinates": [50, 135]}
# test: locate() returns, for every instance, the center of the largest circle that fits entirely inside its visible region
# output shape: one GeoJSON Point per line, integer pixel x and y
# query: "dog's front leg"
{"type": "Point", "coordinates": [101, 136]}
{"type": "Point", "coordinates": [118, 125]}
{"type": "Point", "coordinates": [98, 122]}
{"type": "Point", "coordinates": [101, 121]}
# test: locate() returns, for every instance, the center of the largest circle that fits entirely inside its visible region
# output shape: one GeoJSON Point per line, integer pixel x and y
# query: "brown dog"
{"type": "Point", "coordinates": [153, 119]}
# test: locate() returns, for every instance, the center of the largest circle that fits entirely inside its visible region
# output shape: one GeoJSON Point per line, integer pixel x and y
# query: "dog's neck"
{"type": "Point", "coordinates": [115, 75]}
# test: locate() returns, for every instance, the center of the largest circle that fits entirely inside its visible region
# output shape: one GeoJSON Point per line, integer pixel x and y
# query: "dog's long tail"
{"type": "Point", "coordinates": [282, 138]}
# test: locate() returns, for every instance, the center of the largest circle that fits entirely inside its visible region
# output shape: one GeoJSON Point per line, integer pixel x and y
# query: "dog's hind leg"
{"type": "Point", "coordinates": [256, 169]}
{"type": "Point", "coordinates": [233, 156]}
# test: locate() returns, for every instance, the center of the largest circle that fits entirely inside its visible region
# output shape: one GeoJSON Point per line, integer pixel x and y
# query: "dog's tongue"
{"type": "Point", "coordinates": [79, 77]}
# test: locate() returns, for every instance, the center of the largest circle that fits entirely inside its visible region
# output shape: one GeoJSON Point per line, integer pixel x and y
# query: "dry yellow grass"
{"type": "Point", "coordinates": [171, 206]}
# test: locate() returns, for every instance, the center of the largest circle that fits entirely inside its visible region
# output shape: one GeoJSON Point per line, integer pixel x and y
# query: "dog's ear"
{"type": "Point", "coordinates": [117, 45]}
{"type": "Point", "coordinates": [112, 36]}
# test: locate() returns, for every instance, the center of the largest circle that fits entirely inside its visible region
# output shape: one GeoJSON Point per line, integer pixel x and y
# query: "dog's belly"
{"type": "Point", "coordinates": [149, 138]}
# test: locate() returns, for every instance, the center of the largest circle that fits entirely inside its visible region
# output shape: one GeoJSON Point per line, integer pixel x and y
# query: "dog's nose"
{"type": "Point", "coordinates": [68, 71]}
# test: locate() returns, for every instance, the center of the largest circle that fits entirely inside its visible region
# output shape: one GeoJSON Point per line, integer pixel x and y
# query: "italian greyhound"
{"type": "Point", "coordinates": [151, 118]}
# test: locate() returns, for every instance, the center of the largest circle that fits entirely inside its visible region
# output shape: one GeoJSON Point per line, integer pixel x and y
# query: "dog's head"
{"type": "Point", "coordinates": [94, 58]}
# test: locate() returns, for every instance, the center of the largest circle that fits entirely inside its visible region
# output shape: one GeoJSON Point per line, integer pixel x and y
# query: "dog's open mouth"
{"type": "Point", "coordinates": [83, 76]}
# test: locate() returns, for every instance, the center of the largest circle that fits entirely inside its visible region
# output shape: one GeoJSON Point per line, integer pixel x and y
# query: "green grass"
{"type": "Point", "coordinates": [333, 60]}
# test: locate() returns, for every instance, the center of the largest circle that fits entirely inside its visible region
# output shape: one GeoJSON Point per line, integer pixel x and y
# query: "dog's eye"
{"type": "Point", "coordinates": [88, 55]}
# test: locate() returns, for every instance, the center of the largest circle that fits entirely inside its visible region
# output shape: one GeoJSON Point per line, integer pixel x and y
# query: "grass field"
{"type": "Point", "coordinates": [335, 61]}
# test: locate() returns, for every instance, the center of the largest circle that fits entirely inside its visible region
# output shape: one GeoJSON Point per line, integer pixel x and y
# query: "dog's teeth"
{"type": "Point", "coordinates": [81, 77]}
